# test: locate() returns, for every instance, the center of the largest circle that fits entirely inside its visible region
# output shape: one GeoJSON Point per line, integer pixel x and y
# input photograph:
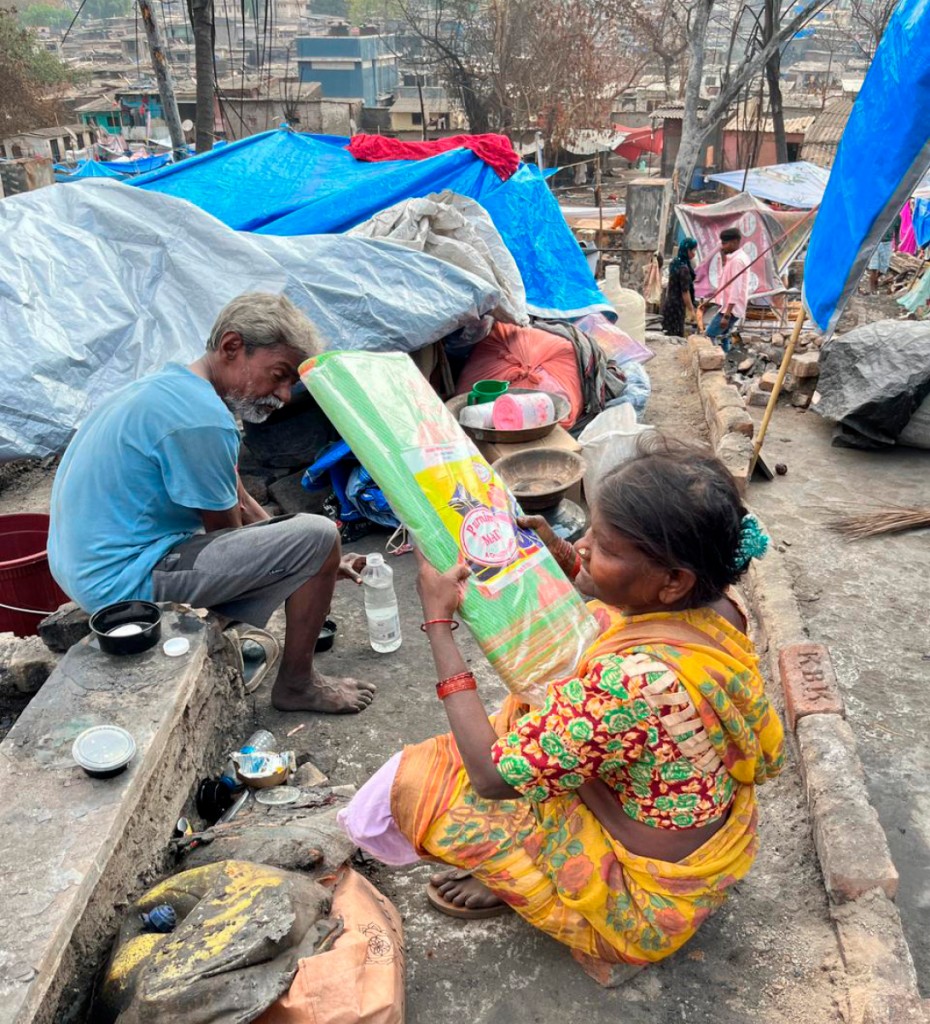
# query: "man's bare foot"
{"type": "Point", "coordinates": [464, 890]}
{"type": "Point", "coordinates": [327, 694]}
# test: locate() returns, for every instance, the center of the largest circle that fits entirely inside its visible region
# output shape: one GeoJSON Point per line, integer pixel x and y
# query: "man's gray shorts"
{"type": "Point", "coordinates": [246, 573]}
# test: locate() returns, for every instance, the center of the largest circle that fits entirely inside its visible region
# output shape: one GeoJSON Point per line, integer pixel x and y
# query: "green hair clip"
{"type": "Point", "coordinates": [753, 542]}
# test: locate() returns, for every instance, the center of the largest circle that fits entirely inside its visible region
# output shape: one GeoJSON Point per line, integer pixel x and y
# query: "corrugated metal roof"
{"type": "Point", "coordinates": [824, 134]}
{"type": "Point", "coordinates": [405, 105]}
{"type": "Point", "coordinates": [793, 125]}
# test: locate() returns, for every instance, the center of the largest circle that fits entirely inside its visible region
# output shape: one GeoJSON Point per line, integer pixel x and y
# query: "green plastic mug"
{"type": "Point", "coordinates": [486, 391]}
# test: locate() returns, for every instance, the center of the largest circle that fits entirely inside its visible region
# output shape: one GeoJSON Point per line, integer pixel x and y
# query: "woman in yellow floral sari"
{"type": "Point", "coordinates": [616, 816]}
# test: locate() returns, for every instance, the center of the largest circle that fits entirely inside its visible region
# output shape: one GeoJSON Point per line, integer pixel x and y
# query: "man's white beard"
{"type": "Point", "coordinates": [252, 410]}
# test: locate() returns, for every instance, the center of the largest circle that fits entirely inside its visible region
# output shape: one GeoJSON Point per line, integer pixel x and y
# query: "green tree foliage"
{"type": "Point", "coordinates": [107, 8]}
{"type": "Point", "coordinates": [28, 77]}
{"type": "Point", "coordinates": [45, 16]}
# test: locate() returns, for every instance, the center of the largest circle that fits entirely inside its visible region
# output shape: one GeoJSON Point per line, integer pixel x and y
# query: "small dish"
{"type": "Point", "coordinates": [104, 751]}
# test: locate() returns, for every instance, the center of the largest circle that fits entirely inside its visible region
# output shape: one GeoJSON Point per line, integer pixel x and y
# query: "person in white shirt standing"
{"type": "Point", "coordinates": [733, 293]}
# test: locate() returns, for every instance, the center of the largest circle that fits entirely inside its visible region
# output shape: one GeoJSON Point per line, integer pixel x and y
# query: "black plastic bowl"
{"type": "Point", "coordinates": [140, 613]}
{"type": "Point", "coordinates": [327, 637]}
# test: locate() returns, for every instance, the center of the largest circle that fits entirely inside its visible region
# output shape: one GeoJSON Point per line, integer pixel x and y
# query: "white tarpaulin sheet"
{"type": "Point", "coordinates": [101, 284]}
{"type": "Point", "coordinates": [800, 184]}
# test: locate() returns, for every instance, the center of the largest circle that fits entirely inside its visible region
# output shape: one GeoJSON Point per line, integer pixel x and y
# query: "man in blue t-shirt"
{"type": "Point", "coordinates": [147, 503]}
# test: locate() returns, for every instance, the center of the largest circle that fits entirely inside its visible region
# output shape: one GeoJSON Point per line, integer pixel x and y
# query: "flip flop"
{"type": "Point", "coordinates": [258, 650]}
{"type": "Point", "coordinates": [440, 903]}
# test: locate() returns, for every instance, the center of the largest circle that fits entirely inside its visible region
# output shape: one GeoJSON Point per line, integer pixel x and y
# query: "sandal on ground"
{"type": "Point", "coordinates": [440, 903]}
{"type": "Point", "coordinates": [258, 650]}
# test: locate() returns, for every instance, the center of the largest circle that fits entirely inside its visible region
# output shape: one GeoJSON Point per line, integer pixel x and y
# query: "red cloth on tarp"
{"type": "Point", "coordinates": [494, 150]}
{"type": "Point", "coordinates": [528, 358]}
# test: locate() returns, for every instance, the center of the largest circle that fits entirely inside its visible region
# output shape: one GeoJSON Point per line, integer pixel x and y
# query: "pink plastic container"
{"type": "Point", "coordinates": [520, 412]}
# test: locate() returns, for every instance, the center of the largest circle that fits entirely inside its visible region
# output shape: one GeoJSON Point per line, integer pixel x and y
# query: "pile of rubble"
{"type": "Point", "coordinates": [753, 368]}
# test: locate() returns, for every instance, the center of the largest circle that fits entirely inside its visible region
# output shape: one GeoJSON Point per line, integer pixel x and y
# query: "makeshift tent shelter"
{"type": "Point", "coordinates": [138, 164]}
{"type": "Point", "coordinates": [86, 169]}
{"type": "Point", "coordinates": [286, 183]}
{"type": "Point", "coordinates": [800, 184]}
{"type": "Point", "coordinates": [772, 238]}
{"type": "Point", "coordinates": [122, 281]}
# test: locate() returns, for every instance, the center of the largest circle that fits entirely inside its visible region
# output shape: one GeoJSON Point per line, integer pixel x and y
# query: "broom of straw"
{"type": "Point", "coordinates": [859, 524]}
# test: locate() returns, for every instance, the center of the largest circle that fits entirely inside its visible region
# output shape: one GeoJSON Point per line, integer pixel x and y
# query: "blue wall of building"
{"type": "Point", "coordinates": [372, 74]}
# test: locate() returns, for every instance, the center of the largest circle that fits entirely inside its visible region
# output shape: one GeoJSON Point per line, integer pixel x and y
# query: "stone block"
{"type": "Point", "coordinates": [768, 380]}
{"type": "Point", "coordinates": [790, 384]}
{"type": "Point", "coordinates": [746, 365]}
{"type": "Point", "coordinates": [809, 682]}
{"type": "Point", "coordinates": [292, 497]}
{"type": "Point", "coordinates": [30, 665]}
{"type": "Point", "coordinates": [756, 397]}
{"type": "Point", "coordinates": [850, 842]}
{"type": "Point", "coordinates": [881, 978]}
{"type": "Point", "coordinates": [61, 630]}
{"type": "Point", "coordinates": [805, 364]}
{"type": "Point", "coordinates": [800, 400]}
{"type": "Point", "coordinates": [735, 452]}
{"type": "Point", "coordinates": [73, 848]}
{"type": "Point", "coordinates": [710, 359]}
{"type": "Point", "coordinates": [308, 775]}
{"type": "Point", "coordinates": [730, 420]}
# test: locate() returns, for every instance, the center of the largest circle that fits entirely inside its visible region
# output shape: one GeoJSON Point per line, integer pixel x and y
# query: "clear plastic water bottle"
{"type": "Point", "coordinates": [381, 605]}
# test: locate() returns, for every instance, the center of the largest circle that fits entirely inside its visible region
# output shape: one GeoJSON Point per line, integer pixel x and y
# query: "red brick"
{"type": "Point", "coordinates": [809, 682]}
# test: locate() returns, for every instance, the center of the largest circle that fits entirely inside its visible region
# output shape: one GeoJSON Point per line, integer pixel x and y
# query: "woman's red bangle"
{"type": "Point", "coordinates": [456, 684]}
{"type": "Point", "coordinates": [451, 623]}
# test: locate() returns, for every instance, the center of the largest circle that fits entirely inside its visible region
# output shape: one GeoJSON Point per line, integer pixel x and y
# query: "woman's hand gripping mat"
{"type": "Point", "coordinates": [527, 617]}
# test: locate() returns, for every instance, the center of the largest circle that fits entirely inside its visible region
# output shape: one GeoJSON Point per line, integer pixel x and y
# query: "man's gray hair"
{"type": "Point", "coordinates": [264, 320]}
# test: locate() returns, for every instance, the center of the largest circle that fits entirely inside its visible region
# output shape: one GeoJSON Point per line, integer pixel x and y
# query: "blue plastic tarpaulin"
{"type": "Point", "coordinates": [86, 169]}
{"type": "Point", "coordinates": [800, 184]}
{"type": "Point", "coordinates": [285, 183]}
{"type": "Point", "coordinates": [884, 153]}
{"type": "Point", "coordinates": [922, 222]}
{"type": "Point", "coordinates": [139, 165]}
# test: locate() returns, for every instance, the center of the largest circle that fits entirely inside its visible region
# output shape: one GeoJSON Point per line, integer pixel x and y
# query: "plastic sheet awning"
{"type": "Point", "coordinates": [286, 183]}
{"type": "Point", "coordinates": [800, 184]}
{"type": "Point", "coordinates": [86, 169]}
{"type": "Point", "coordinates": [101, 284]}
{"type": "Point", "coordinates": [882, 157]}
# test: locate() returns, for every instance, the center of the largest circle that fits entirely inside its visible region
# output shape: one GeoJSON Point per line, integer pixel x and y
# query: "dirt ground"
{"type": "Point", "coordinates": [768, 956]}
{"type": "Point", "coordinates": [867, 601]}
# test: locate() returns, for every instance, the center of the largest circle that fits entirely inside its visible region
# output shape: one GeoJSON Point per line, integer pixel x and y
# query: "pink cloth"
{"type": "Point", "coordinates": [735, 288]}
{"type": "Point", "coordinates": [368, 821]}
{"type": "Point", "coordinates": [907, 241]}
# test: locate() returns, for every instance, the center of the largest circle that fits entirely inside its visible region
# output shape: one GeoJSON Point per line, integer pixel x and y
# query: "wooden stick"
{"type": "Point", "coordinates": [776, 391]}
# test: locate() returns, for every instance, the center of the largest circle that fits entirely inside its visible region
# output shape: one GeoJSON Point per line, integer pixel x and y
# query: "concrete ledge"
{"type": "Point", "coordinates": [850, 841]}
{"type": "Point", "coordinates": [731, 426]}
{"type": "Point", "coordinates": [72, 848]}
{"type": "Point", "coordinates": [882, 980]}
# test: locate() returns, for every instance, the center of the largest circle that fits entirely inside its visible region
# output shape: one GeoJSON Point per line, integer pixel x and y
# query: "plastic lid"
{"type": "Point", "coordinates": [278, 796]}
{"type": "Point", "coordinates": [176, 646]}
{"type": "Point", "coordinates": [375, 558]}
{"type": "Point", "coordinates": [103, 748]}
